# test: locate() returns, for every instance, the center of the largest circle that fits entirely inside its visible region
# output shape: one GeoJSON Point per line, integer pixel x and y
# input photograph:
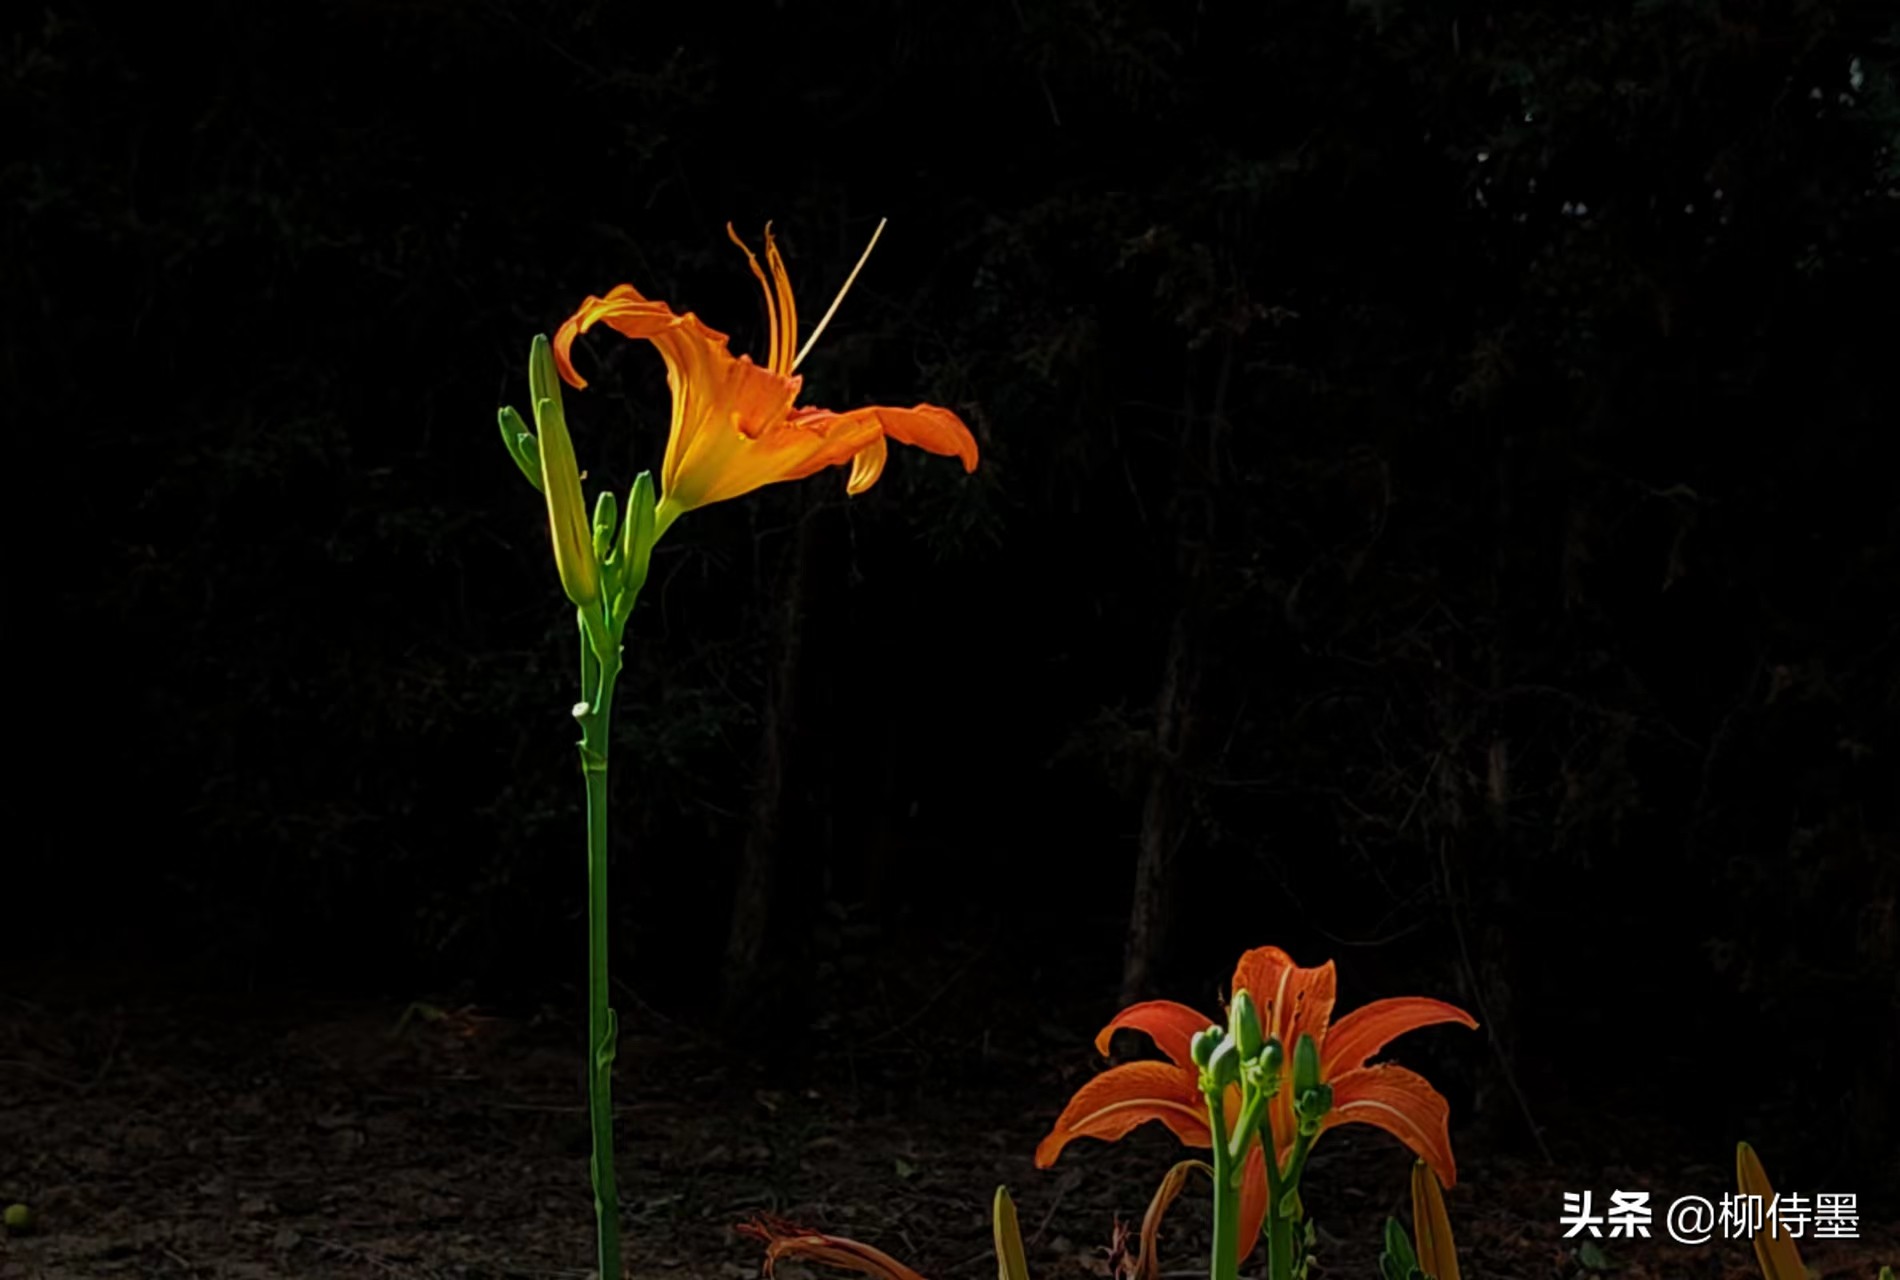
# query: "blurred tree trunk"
{"type": "Point", "coordinates": [1163, 815]}
{"type": "Point", "coordinates": [779, 897]}
{"type": "Point", "coordinates": [1490, 958]}
{"type": "Point", "coordinates": [1167, 808]}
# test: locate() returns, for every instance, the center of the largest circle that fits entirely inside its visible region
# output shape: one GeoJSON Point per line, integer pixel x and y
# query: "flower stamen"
{"type": "Point", "coordinates": [832, 310]}
{"type": "Point", "coordinates": [771, 311]}
{"type": "Point", "coordinates": [787, 311]}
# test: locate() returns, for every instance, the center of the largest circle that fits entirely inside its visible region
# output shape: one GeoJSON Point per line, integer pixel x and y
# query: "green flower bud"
{"type": "Point", "coordinates": [1223, 1067]}
{"type": "Point", "coordinates": [544, 381]}
{"type": "Point", "coordinates": [1011, 1262]}
{"type": "Point", "coordinates": [637, 536]}
{"type": "Point", "coordinates": [606, 519]}
{"type": "Point", "coordinates": [1311, 1108]}
{"type": "Point", "coordinates": [561, 478]}
{"type": "Point", "coordinates": [1272, 1056]}
{"type": "Point", "coordinates": [521, 446]}
{"type": "Point", "coordinates": [1305, 1065]}
{"type": "Point", "coordinates": [1201, 1048]}
{"type": "Point", "coordinates": [1244, 1025]}
{"type": "Point", "coordinates": [1398, 1262]}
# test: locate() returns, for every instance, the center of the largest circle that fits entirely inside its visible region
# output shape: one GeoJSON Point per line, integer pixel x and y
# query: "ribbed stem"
{"type": "Point", "coordinates": [1225, 1263]}
{"type": "Point", "coordinates": [598, 673]}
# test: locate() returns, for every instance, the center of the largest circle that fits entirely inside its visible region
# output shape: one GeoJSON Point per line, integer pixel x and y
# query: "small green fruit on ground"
{"type": "Point", "coordinates": [19, 1218]}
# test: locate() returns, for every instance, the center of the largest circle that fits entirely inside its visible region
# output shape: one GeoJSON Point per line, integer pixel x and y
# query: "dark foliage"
{"type": "Point", "coordinates": [1499, 390]}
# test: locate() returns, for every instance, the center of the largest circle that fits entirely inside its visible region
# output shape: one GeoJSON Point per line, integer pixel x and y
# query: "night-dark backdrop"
{"type": "Point", "coordinates": [1430, 515]}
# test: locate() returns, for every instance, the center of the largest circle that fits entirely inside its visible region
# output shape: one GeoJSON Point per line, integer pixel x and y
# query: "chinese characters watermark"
{"type": "Point", "coordinates": [1697, 1219]}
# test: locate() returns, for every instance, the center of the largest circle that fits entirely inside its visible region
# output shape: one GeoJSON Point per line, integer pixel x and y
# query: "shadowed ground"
{"type": "Point", "coordinates": [210, 1138]}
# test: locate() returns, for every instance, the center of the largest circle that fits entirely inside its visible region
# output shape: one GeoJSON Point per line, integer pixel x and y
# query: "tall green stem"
{"type": "Point", "coordinates": [1284, 1222]}
{"type": "Point", "coordinates": [1225, 1264]}
{"type": "Point", "coordinates": [1279, 1239]}
{"type": "Point", "coordinates": [599, 670]}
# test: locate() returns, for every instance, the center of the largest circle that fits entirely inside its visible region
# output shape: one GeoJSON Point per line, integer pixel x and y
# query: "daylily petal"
{"type": "Point", "coordinates": [1171, 1026]}
{"type": "Point", "coordinates": [756, 444]}
{"type": "Point", "coordinates": [867, 466]}
{"type": "Point", "coordinates": [931, 429]}
{"type": "Point", "coordinates": [1370, 1027]}
{"type": "Point", "coordinates": [1402, 1103]}
{"type": "Point", "coordinates": [926, 426]}
{"type": "Point", "coordinates": [1253, 1198]}
{"type": "Point", "coordinates": [628, 312]}
{"type": "Point", "coordinates": [1121, 1098]}
{"type": "Point", "coordinates": [1292, 1001]}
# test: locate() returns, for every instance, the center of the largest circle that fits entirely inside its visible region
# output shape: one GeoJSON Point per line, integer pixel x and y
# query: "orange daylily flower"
{"type": "Point", "coordinates": [735, 425]}
{"type": "Point", "coordinates": [1291, 1002]}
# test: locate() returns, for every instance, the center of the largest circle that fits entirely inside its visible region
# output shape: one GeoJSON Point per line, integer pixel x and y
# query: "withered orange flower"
{"type": "Point", "coordinates": [735, 425]}
{"type": "Point", "coordinates": [785, 1239]}
{"type": "Point", "coordinates": [1291, 1002]}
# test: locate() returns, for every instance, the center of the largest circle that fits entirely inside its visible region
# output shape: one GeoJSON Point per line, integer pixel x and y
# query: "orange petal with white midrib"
{"type": "Point", "coordinates": [1405, 1105]}
{"type": "Point", "coordinates": [1124, 1097]}
{"type": "Point", "coordinates": [1172, 1026]}
{"type": "Point", "coordinates": [1369, 1028]}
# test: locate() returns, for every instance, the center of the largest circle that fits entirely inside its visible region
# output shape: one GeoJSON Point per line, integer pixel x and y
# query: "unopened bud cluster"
{"type": "Point", "coordinates": [602, 562]}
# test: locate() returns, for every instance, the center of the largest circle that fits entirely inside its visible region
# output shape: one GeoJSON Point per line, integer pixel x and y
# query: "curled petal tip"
{"type": "Point", "coordinates": [564, 354]}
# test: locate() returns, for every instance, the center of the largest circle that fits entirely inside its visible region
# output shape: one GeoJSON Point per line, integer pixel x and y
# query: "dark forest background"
{"type": "Point", "coordinates": [1430, 515]}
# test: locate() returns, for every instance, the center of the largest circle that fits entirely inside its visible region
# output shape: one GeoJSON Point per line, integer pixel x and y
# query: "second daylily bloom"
{"type": "Point", "coordinates": [1292, 1002]}
{"type": "Point", "coordinates": [735, 424]}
